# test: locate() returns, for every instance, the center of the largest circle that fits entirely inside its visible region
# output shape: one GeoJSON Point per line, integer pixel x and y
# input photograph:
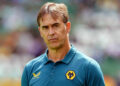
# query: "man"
{"type": "Point", "coordinates": [61, 64]}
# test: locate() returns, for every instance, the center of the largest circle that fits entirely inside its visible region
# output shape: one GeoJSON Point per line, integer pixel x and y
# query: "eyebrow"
{"type": "Point", "coordinates": [55, 24]}
{"type": "Point", "coordinates": [45, 26]}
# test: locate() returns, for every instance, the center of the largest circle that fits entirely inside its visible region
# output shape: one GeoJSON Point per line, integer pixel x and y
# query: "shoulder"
{"type": "Point", "coordinates": [84, 58]}
{"type": "Point", "coordinates": [86, 61]}
{"type": "Point", "coordinates": [35, 61]}
{"type": "Point", "coordinates": [32, 66]}
{"type": "Point", "coordinates": [89, 68]}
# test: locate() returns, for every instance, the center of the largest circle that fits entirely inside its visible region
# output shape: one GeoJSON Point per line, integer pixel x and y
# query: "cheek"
{"type": "Point", "coordinates": [63, 32]}
{"type": "Point", "coordinates": [45, 39]}
{"type": "Point", "coordinates": [44, 36]}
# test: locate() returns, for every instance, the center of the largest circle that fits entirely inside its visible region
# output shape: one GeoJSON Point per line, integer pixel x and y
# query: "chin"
{"type": "Point", "coordinates": [55, 46]}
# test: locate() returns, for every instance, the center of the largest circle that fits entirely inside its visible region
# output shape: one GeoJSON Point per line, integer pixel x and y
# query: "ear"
{"type": "Point", "coordinates": [68, 26]}
{"type": "Point", "coordinates": [40, 31]}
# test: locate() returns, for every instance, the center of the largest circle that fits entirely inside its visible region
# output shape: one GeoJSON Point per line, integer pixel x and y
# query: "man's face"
{"type": "Point", "coordinates": [54, 31]}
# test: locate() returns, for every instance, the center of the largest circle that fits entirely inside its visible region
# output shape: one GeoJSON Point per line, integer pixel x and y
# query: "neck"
{"type": "Point", "coordinates": [58, 54]}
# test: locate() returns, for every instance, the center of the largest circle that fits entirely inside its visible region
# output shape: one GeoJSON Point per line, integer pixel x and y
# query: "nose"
{"type": "Point", "coordinates": [51, 31]}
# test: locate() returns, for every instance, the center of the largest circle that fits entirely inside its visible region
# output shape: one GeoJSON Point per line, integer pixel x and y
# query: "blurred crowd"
{"type": "Point", "coordinates": [95, 31]}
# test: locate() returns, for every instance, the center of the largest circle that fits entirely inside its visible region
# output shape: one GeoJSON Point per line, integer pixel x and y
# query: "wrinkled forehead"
{"type": "Point", "coordinates": [56, 11]}
{"type": "Point", "coordinates": [50, 18]}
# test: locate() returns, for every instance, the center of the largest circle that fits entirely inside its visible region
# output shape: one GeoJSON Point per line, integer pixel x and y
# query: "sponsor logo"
{"type": "Point", "coordinates": [36, 75]}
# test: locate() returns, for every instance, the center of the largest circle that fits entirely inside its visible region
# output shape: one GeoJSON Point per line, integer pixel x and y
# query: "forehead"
{"type": "Point", "coordinates": [49, 19]}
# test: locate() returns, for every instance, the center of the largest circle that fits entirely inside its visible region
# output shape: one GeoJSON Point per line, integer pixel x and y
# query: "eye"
{"type": "Point", "coordinates": [44, 27]}
{"type": "Point", "coordinates": [55, 25]}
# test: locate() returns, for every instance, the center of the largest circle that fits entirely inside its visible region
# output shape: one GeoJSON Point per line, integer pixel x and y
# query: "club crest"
{"type": "Point", "coordinates": [70, 75]}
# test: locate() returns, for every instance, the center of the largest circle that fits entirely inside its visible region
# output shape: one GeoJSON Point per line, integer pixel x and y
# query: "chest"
{"type": "Point", "coordinates": [57, 75]}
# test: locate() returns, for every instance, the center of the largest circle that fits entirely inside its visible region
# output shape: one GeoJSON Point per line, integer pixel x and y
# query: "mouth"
{"type": "Point", "coordinates": [53, 39]}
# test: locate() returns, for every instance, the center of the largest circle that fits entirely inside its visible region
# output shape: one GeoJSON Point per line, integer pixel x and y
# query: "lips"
{"type": "Point", "coordinates": [53, 39]}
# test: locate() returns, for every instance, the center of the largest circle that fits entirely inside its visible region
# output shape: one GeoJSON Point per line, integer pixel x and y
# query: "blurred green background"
{"type": "Point", "coordinates": [95, 31]}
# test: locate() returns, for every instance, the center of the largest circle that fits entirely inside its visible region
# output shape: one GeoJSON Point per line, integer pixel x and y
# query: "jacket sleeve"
{"type": "Point", "coordinates": [24, 79]}
{"type": "Point", "coordinates": [94, 76]}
